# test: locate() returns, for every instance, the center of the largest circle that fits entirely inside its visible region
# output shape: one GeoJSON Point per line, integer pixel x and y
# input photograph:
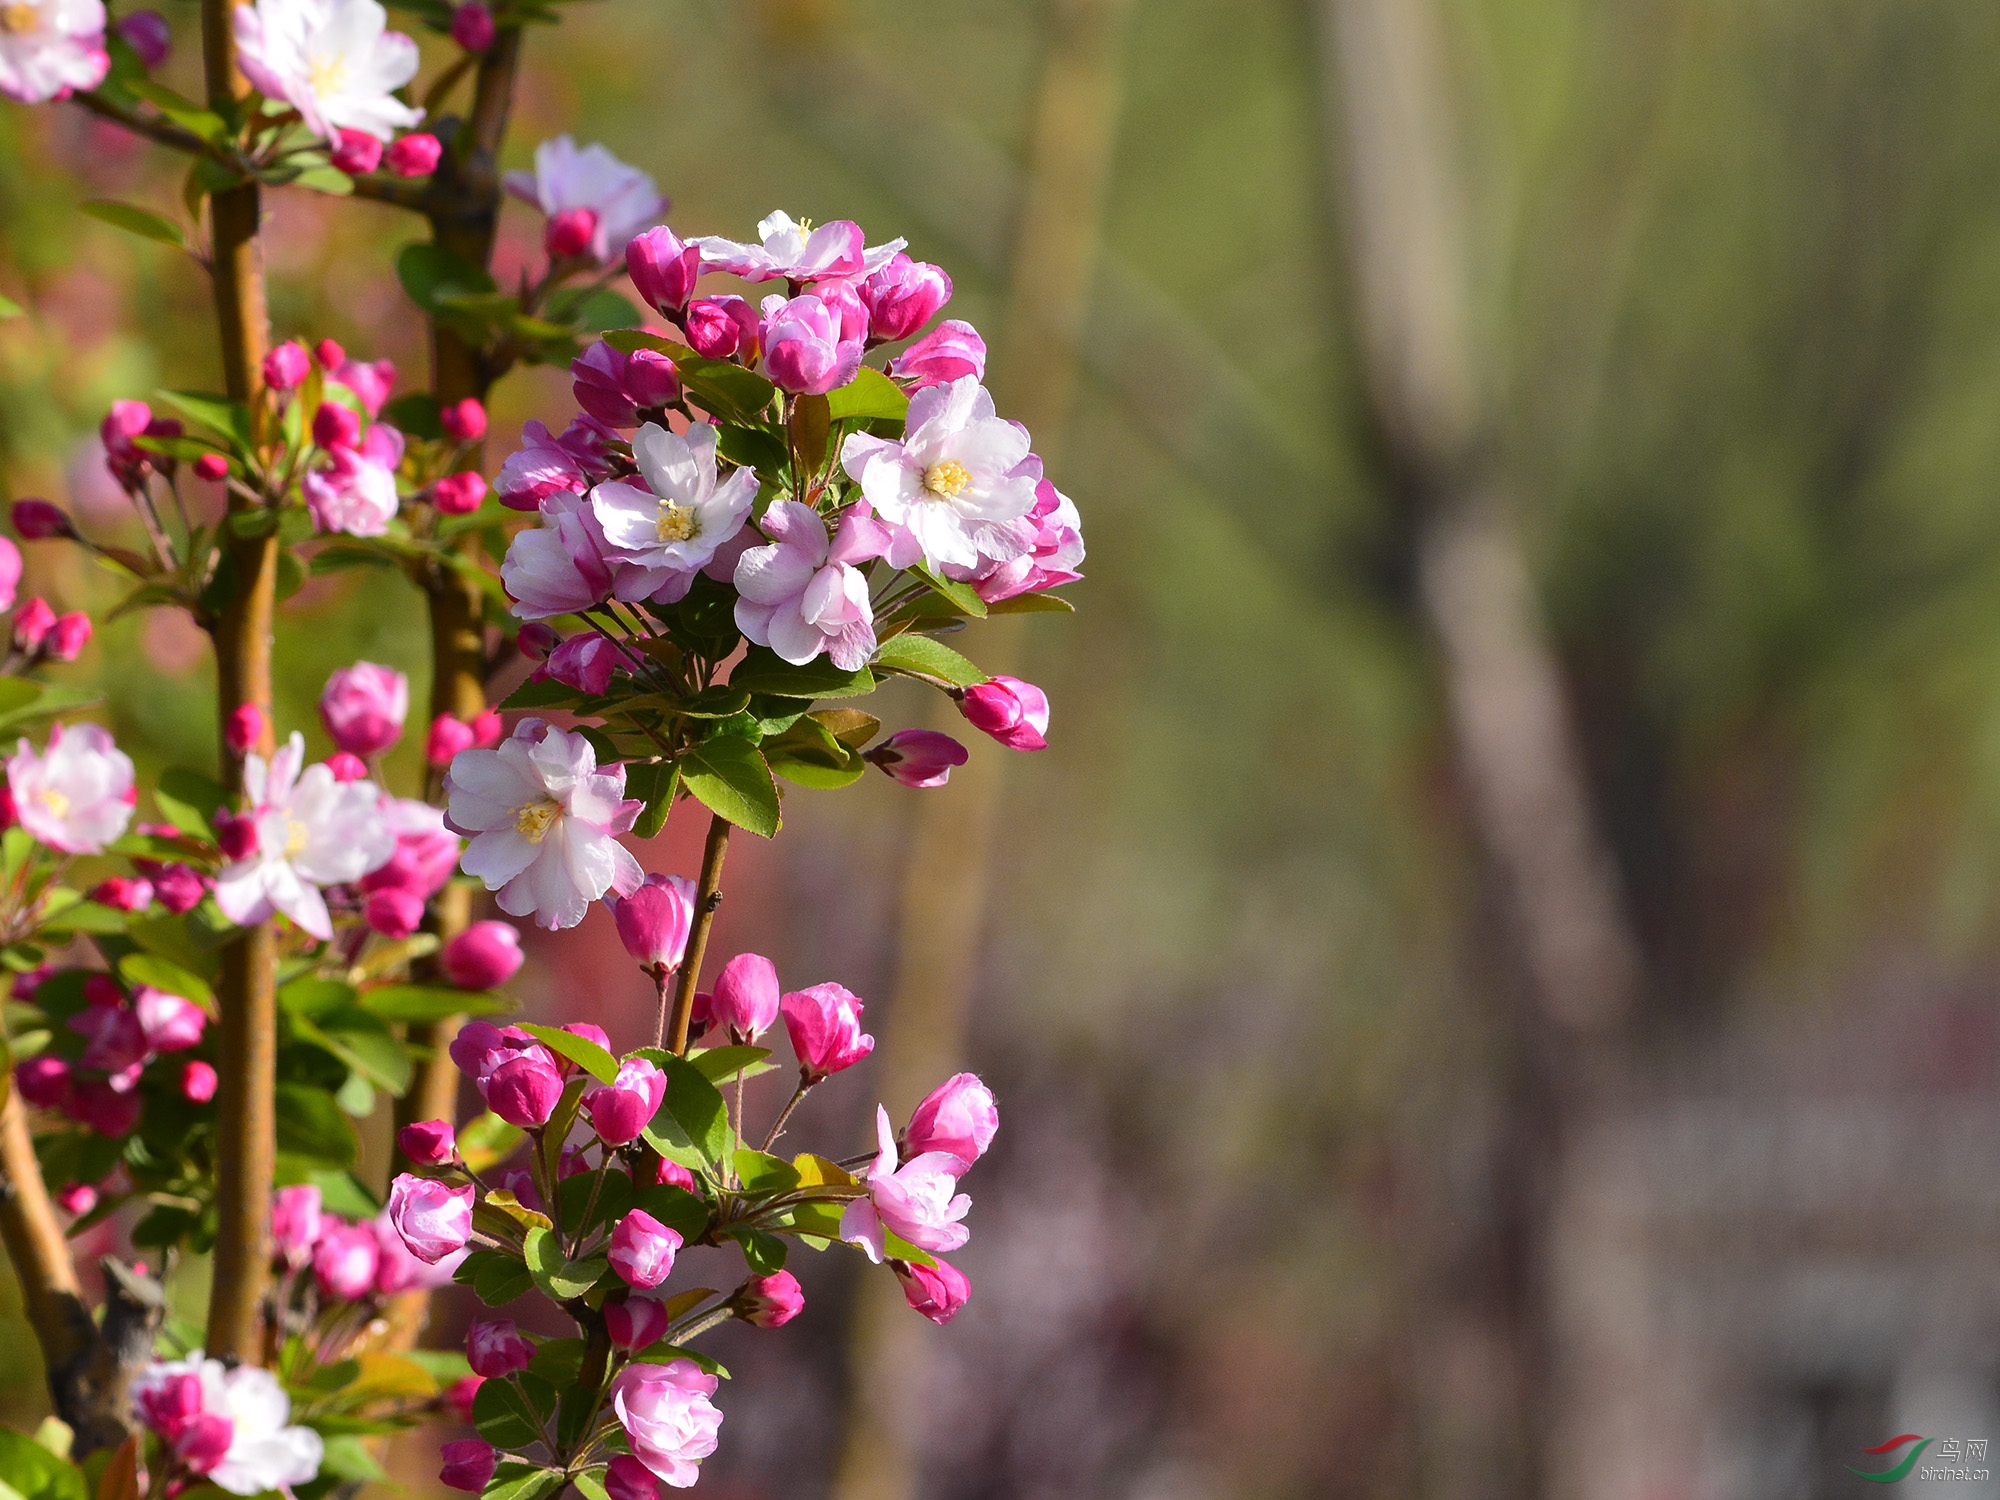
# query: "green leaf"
{"type": "Point", "coordinates": [220, 415]}
{"type": "Point", "coordinates": [593, 309]}
{"type": "Point", "coordinates": [580, 1050]}
{"type": "Point", "coordinates": [655, 782]}
{"type": "Point", "coordinates": [34, 1473]}
{"type": "Point", "coordinates": [488, 1141]}
{"type": "Point", "coordinates": [365, 1043]}
{"type": "Point", "coordinates": [328, 179]}
{"type": "Point", "coordinates": [681, 1211]}
{"type": "Point", "coordinates": [182, 110]}
{"type": "Point", "coordinates": [422, 1003]}
{"type": "Point", "coordinates": [9, 308]}
{"type": "Point", "coordinates": [556, 1277]}
{"type": "Point", "coordinates": [920, 656]}
{"type": "Point", "coordinates": [870, 394]}
{"type": "Point", "coordinates": [719, 1064]}
{"type": "Point", "coordinates": [503, 1416]}
{"type": "Point", "coordinates": [558, 1361]}
{"type": "Point", "coordinates": [693, 1105]}
{"type": "Point", "coordinates": [1032, 604]}
{"type": "Point", "coordinates": [161, 974]}
{"type": "Point", "coordinates": [962, 595]}
{"type": "Point", "coordinates": [87, 916]}
{"type": "Point", "coordinates": [312, 1124]}
{"type": "Point", "coordinates": [753, 448]}
{"type": "Point", "coordinates": [44, 701]}
{"type": "Point", "coordinates": [312, 996]}
{"type": "Point", "coordinates": [415, 414]}
{"type": "Point", "coordinates": [495, 1278]}
{"type": "Point", "coordinates": [434, 278]}
{"type": "Point", "coordinates": [590, 1485]}
{"type": "Point", "coordinates": [760, 1173]}
{"type": "Point", "coordinates": [728, 776]}
{"type": "Point", "coordinates": [347, 1458]}
{"type": "Point", "coordinates": [808, 431]}
{"type": "Point", "coordinates": [763, 1253]}
{"type": "Point", "coordinates": [764, 671]}
{"type": "Point", "coordinates": [807, 754]}
{"type": "Point", "coordinates": [343, 1193]}
{"type": "Point", "coordinates": [537, 1485]}
{"type": "Point", "coordinates": [548, 693]}
{"type": "Point", "coordinates": [136, 220]}
{"type": "Point", "coordinates": [723, 389]}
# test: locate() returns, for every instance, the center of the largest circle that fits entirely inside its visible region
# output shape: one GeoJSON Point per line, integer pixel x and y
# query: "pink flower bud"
{"type": "Point", "coordinates": [357, 153]}
{"type": "Point", "coordinates": [824, 1023]}
{"type": "Point", "coordinates": [211, 466]}
{"type": "Point", "coordinates": [917, 757]}
{"type": "Point", "coordinates": [235, 836]}
{"type": "Point", "coordinates": [346, 768]}
{"type": "Point", "coordinates": [635, 1323]}
{"type": "Point", "coordinates": [487, 729]}
{"type": "Point", "coordinates": [165, 1404]}
{"type": "Point", "coordinates": [642, 1249]}
{"type": "Point", "coordinates": [45, 1082]}
{"type": "Point", "coordinates": [77, 1198]}
{"type": "Point", "coordinates": [468, 1465]}
{"type": "Point", "coordinates": [344, 1261]}
{"type": "Point", "coordinates": [414, 155]}
{"type": "Point", "coordinates": [447, 737]}
{"type": "Point", "coordinates": [958, 1117]}
{"type": "Point", "coordinates": [496, 1348]}
{"type": "Point", "coordinates": [673, 1174]}
{"type": "Point", "coordinates": [123, 893]}
{"type": "Point", "coordinates": [653, 921]}
{"type": "Point", "coordinates": [745, 998]}
{"type": "Point", "coordinates": [950, 350]}
{"type": "Point", "coordinates": [584, 662]}
{"type": "Point", "coordinates": [431, 1142]}
{"type": "Point", "coordinates": [395, 912]}
{"type": "Point", "coordinates": [460, 1393]}
{"type": "Point", "coordinates": [570, 233]}
{"type": "Point", "coordinates": [203, 1442]}
{"type": "Point", "coordinates": [472, 26]}
{"type": "Point", "coordinates": [804, 350]}
{"type": "Point", "coordinates": [295, 1222]}
{"type": "Point", "coordinates": [286, 367]}
{"type": "Point", "coordinates": [146, 32]}
{"type": "Point", "coordinates": [1014, 712]}
{"type": "Point", "coordinates": [68, 636]}
{"type": "Point", "coordinates": [844, 302]}
{"type": "Point", "coordinates": [106, 1110]}
{"type": "Point", "coordinates": [614, 387]}
{"type": "Point", "coordinates": [524, 1092]}
{"type": "Point", "coordinates": [769, 1301]}
{"type": "Point", "coordinates": [32, 623]}
{"type": "Point", "coordinates": [619, 1110]}
{"type": "Point", "coordinates": [198, 1081]}
{"type": "Point", "coordinates": [329, 354]}
{"type": "Point", "coordinates": [363, 707]}
{"type": "Point", "coordinates": [537, 640]}
{"type": "Point", "coordinates": [102, 989]}
{"type": "Point", "coordinates": [902, 297]}
{"type": "Point", "coordinates": [937, 1291]}
{"type": "Point", "coordinates": [39, 521]}
{"type": "Point", "coordinates": [719, 327]}
{"type": "Point", "coordinates": [629, 1479]}
{"type": "Point", "coordinates": [117, 1040]}
{"type": "Point", "coordinates": [483, 957]}
{"type": "Point", "coordinates": [464, 421]}
{"type": "Point", "coordinates": [459, 494]}
{"type": "Point", "coordinates": [244, 728]}
{"type": "Point", "coordinates": [178, 888]}
{"type": "Point", "coordinates": [171, 1023]}
{"type": "Point", "coordinates": [662, 268]}
{"type": "Point", "coordinates": [433, 1219]}
{"type": "Point", "coordinates": [336, 426]}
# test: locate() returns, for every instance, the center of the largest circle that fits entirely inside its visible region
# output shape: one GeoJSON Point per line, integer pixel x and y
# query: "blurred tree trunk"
{"type": "Point", "coordinates": [1404, 210]}
{"type": "Point", "coordinates": [948, 871]}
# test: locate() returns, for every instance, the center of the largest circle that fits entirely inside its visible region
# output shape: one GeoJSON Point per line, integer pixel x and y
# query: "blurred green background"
{"type": "Point", "coordinates": [1287, 1196]}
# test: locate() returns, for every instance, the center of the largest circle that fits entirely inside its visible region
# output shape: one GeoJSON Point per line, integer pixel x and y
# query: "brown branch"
{"type": "Point", "coordinates": [247, 996]}
{"type": "Point", "coordinates": [378, 188]}
{"type": "Point", "coordinates": [38, 1250]}
{"type": "Point", "coordinates": [163, 131]}
{"type": "Point", "coordinates": [707, 897]}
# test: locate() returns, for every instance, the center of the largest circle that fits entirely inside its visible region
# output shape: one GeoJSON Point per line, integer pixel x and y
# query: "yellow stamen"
{"type": "Point", "coordinates": [534, 821]}
{"type": "Point", "coordinates": [677, 522]}
{"type": "Point", "coordinates": [326, 75]}
{"type": "Point", "coordinates": [947, 480]}
{"type": "Point", "coordinates": [297, 836]}
{"type": "Point", "coordinates": [19, 18]}
{"type": "Point", "coordinates": [53, 800]}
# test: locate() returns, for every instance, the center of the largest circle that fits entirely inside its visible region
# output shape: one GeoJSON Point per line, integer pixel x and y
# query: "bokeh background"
{"type": "Point", "coordinates": [1492, 989]}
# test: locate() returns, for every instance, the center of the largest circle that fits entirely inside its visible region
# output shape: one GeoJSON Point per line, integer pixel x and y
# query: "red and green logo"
{"type": "Point", "coordinates": [1901, 1470]}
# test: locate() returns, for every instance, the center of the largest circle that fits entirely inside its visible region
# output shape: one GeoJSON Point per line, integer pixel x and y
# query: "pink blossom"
{"type": "Point", "coordinates": [523, 1091]}
{"type": "Point", "coordinates": [662, 534]}
{"type": "Point", "coordinates": [802, 594]}
{"type": "Point", "coordinates": [296, 1221]}
{"type": "Point", "coordinates": [663, 269]}
{"type": "Point", "coordinates": [903, 296]}
{"type": "Point", "coordinates": [844, 302]}
{"type": "Point", "coordinates": [336, 425]}
{"type": "Point", "coordinates": [344, 1261]}
{"type": "Point", "coordinates": [824, 1023]}
{"type": "Point", "coordinates": [426, 852]}
{"type": "Point", "coordinates": [356, 153]}
{"type": "Point", "coordinates": [68, 636]}
{"type": "Point", "coordinates": [1014, 712]}
{"type": "Point", "coordinates": [32, 623]}
{"type": "Point", "coordinates": [770, 1301]}
{"type": "Point", "coordinates": [804, 347]}
{"type": "Point", "coordinates": [105, 1109]}
{"type": "Point", "coordinates": [345, 768]}
{"type": "Point", "coordinates": [334, 61]}
{"type": "Point", "coordinates": [395, 913]}
{"type": "Point", "coordinates": [668, 1418]}
{"type": "Point", "coordinates": [430, 1143]}
{"type": "Point", "coordinates": [917, 1200]}
{"type": "Point", "coordinates": [198, 1082]}
{"type": "Point", "coordinates": [459, 1396]}
{"type": "Point", "coordinates": [76, 1198]}
{"type": "Point", "coordinates": [355, 492]}
{"type": "Point", "coordinates": [746, 997]}
{"type": "Point", "coordinates": [567, 177]}
{"type": "Point", "coordinates": [636, 1322]}
{"type": "Point", "coordinates": [170, 1022]}
{"type": "Point", "coordinates": [447, 737]}
{"type": "Point", "coordinates": [468, 1464]}
{"type": "Point", "coordinates": [917, 757]}
{"type": "Point", "coordinates": [619, 1110]}
{"type": "Point", "coordinates": [433, 1219]}
{"type": "Point", "coordinates": [77, 795]}
{"type": "Point", "coordinates": [414, 155]}
{"type": "Point", "coordinates": [789, 251]}
{"type": "Point", "coordinates": [463, 421]}
{"type": "Point", "coordinates": [642, 1249]}
{"type": "Point", "coordinates": [123, 893]}
{"type": "Point", "coordinates": [957, 1117]}
{"type": "Point", "coordinates": [584, 662]}
{"type": "Point", "coordinates": [146, 32]}
{"type": "Point", "coordinates": [495, 1348]}
{"type": "Point", "coordinates": [10, 572]}
{"type": "Point", "coordinates": [286, 367]}
{"type": "Point", "coordinates": [44, 1082]}
{"type": "Point", "coordinates": [568, 234]}
{"type": "Point", "coordinates": [544, 823]}
{"type": "Point", "coordinates": [179, 888]}
{"type": "Point", "coordinates": [628, 1479]}
{"type": "Point", "coordinates": [937, 1291]}
{"type": "Point", "coordinates": [724, 327]}
{"type": "Point", "coordinates": [459, 494]}
{"type": "Point", "coordinates": [363, 707]}
{"type": "Point", "coordinates": [39, 521]}
{"type": "Point", "coordinates": [472, 26]}
{"type": "Point", "coordinates": [370, 382]}
{"type": "Point", "coordinates": [541, 467]}
{"type": "Point", "coordinates": [52, 49]}
{"type": "Point", "coordinates": [615, 387]}
{"type": "Point", "coordinates": [117, 1042]}
{"type": "Point", "coordinates": [951, 351]}
{"type": "Point", "coordinates": [243, 728]}
{"type": "Point", "coordinates": [561, 566]}
{"type": "Point", "coordinates": [1053, 532]}
{"type": "Point", "coordinates": [673, 1174]}
{"type": "Point", "coordinates": [229, 1424]}
{"type": "Point", "coordinates": [483, 957]}
{"type": "Point", "coordinates": [399, 1270]}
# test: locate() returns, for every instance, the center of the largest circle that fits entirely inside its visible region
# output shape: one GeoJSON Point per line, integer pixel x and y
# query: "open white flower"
{"type": "Point", "coordinates": [567, 177]}
{"type": "Point", "coordinates": [311, 831]}
{"type": "Point", "coordinates": [334, 61]}
{"type": "Point", "coordinates": [788, 250]}
{"type": "Point", "coordinates": [246, 1408]}
{"type": "Point", "coordinates": [77, 796]}
{"type": "Point", "coordinates": [671, 528]}
{"type": "Point", "coordinates": [50, 48]}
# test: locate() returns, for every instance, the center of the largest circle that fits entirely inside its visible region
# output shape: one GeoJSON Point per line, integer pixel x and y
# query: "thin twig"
{"type": "Point", "coordinates": [708, 896]}
{"type": "Point", "coordinates": [778, 1125]}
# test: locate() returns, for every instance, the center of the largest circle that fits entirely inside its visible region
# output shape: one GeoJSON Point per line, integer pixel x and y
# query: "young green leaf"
{"type": "Point", "coordinates": [136, 220]}
{"type": "Point", "coordinates": [870, 394]}
{"type": "Point", "coordinates": [728, 776]}
{"type": "Point", "coordinates": [580, 1050]}
{"type": "Point", "coordinates": [933, 661]}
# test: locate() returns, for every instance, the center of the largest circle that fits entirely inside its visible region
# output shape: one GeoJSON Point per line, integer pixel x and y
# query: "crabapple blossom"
{"type": "Point", "coordinates": [243, 728]}
{"type": "Point", "coordinates": [524, 1090]}
{"type": "Point", "coordinates": [495, 1347]}
{"type": "Point", "coordinates": [937, 1291]}
{"type": "Point", "coordinates": [746, 996]}
{"type": "Point", "coordinates": [468, 1464]}
{"type": "Point", "coordinates": [643, 1249]}
{"type": "Point", "coordinates": [917, 757]}
{"type": "Point", "coordinates": [123, 893]}
{"type": "Point", "coordinates": [355, 492]}
{"type": "Point", "coordinates": [917, 1200]}
{"type": "Point", "coordinates": [336, 425]}
{"type": "Point", "coordinates": [951, 351]}
{"type": "Point", "coordinates": [44, 1082]}
{"type": "Point", "coordinates": [198, 1082]}
{"type": "Point", "coordinates": [244, 1411]}
{"type": "Point", "coordinates": [619, 1110]}
{"type": "Point", "coordinates": [32, 623]}
{"type": "Point", "coordinates": [806, 349]}
{"type": "Point", "coordinates": [790, 251]}
{"type": "Point", "coordinates": [472, 26]}
{"type": "Point", "coordinates": [1014, 712]}
{"type": "Point", "coordinates": [77, 1198]}
{"type": "Point", "coordinates": [543, 821]}
{"type": "Point", "coordinates": [334, 61]}
{"type": "Point", "coordinates": [286, 367]}
{"type": "Point", "coordinates": [68, 636]}
{"type": "Point", "coordinates": [459, 494]}
{"type": "Point", "coordinates": [170, 1022]}
{"type": "Point", "coordinates": [483, 957]}
{"type": "Point", "coordinates": [559, 567]}
{"type": "Point", "coordinates": [667, 1416]}
{"type": "Point", "coordinates": [584, 662]}
{"type": "Point", "coordinates": [628, 1479]}
{"type": "Point", "coordinates": [10, 572]}
{"type": "Point", "coordinates": [147, 33]}
{"type": "Point", "coordinates": [39, 521]}
{"type": "Point", "coordinates": [49, 49]}
{"type": "Point", "coordinates": [615, 387]}
{"type": "Point", "coordinates": [567, 178]}
{"type": "Point", "coordinates": [363, 707]}
{"type": "Point", "coordinates": [769, 1301]}
{"type": "Point", "coordinates": [433, 1143]}
{"type": "Point", "coordinates": [311, 831]}
{"type": "Point", "coordinates": [802, 594]}
{"type": "Point", "coordinates": [903, 296]}
{"type": "Point", "coordinates": [435, 1220]}
{"type": "Point", "coordinates": [636, 1322]}
{"type": "Point", "coordinates": [77, 795]}
{"type": "Point", "coordinates": [824, 1023]}
{"type": "Point", "coordinates": [446, 738]}
{"type": "Point", "coordinates": [663, 269]}
{"type": "Point", "coordinates": [1053, 532]}
{"type": "Point", "coordinates": [719, 327]}
{"type": "Point", "coordinates": [356, 153]}
{"type": "Point", "coordinates": [668, 531]}
{"type": "Point", "coordinates": [414, 155]}
{"type": "Point", "coordinates": [370, 381]}
{"type": "Point", "coordinates": [957, 1117]}
{"type": "Point", "coordinates": [953, 481]}
{"type": "Point", "coordinates": [344, 1261]}
{"type": "Point", "coordinates": [295, 1222]}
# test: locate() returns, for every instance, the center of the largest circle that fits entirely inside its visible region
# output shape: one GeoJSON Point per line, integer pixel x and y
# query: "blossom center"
{"type": "Point", "coordinates": [947, 480]}
{"type": "Point", "coordinates": [297, 836]}
{"type": "Point", "coordinates": [19, 18]}
{"type": "Point", "coordinates": [326, 75]}
{"type": "Point", "coordinates": [48, 796]}
{"type": "Point", "coordinates": [677, 522]}
{"type": "Point", "coordinates": [533, 821]}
